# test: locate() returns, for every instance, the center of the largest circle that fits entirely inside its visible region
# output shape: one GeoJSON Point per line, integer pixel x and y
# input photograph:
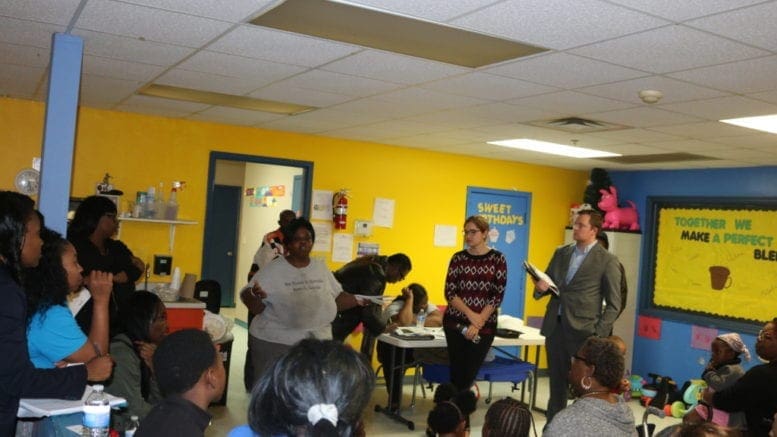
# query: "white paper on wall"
{"type": "Point", "coordinates": [321, 205]}
{"type": "Point", "coordinates": [444, 236]}
{"type": "Point", "coordinates": [342, 247]}
{"type": "Point", "coordinates": [323, 236]}
{"type": "Point", "coordinates": [383, 213]}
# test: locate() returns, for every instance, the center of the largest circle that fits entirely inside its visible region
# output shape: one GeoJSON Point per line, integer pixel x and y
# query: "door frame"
{"type": "Point", "coordinates": [306, 194]}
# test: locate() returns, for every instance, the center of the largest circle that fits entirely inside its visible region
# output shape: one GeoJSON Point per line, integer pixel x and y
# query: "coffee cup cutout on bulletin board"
{"type": "Point", "coordinates": [720, 277]}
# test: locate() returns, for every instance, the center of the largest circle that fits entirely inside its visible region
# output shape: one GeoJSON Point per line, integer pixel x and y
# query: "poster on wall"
{"type": "Point", "coordinates": [265, 196]}
{"type": "Point", "coordinates": [716, 258]}
{"type": "Point", "coordinates": [323, 236]}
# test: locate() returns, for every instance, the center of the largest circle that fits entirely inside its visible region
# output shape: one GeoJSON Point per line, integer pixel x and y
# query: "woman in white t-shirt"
{"type": "Point", "coordinates": [295, 297]}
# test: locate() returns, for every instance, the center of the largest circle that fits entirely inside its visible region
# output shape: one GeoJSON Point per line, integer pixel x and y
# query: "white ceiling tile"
{"type": "Point", "coordinates": [752, 25]}
{"type": "Point", "coordinates": [120, 69]}
{"type": "Point", "coordinates": [398, 128]}
{"type": "Point", "coordinates": [277, 46]}
{"type": "Point", "coordinates": [162, 103]}
{"type": "Point", "coordinates": [643, 117]}
{"type": "Point", "coordinates": [153, 110]}
{"type": "Point", "coordinates": [558, 24]}
{"type": "Point", "coordinates": [570, 103]}
{"type": "Point", "coordinates": [749, 76]}
{"type": "Point", "coordinates": [436, 11]}
{"type": "Point", "coordinates": [24, 55]}
{"type": "Point", "coordinates": [708, 130]}
{"type": "Point", "coordinates": [379, 108]}
{"type": "Point", "coordinates": [226, 10]}
{"type": "Point", "coordinates": [758, 140]}
{"type": "Point", "coordinates": [670, 48]}
{"type": "Point", "coordinates": [206, 82]}
{"type": "Point", "coordinates": [131, 49]}
{"type": "Point", "coordinates": [723, 107]}
{"type": "Point", "coordinates": [690, 146]}
{"type": "Point", "coordinates": [428, 100]}
{"type": "Point", "coordinates": [337, 83]}
{"type": "Point", "coordinates": [766, 96]}
{"type": "Point", "coordinates": [20, 80]}
{"type": "Point", "coordinates": [292, 125]}
{"type": "Point", "coordinates": [27, 33]}
{"type": "Point", "coordinates": [634, 135]}
{"type": "Point", "coordinates": [673, 90]}
{"type": "Point", "coordinates": [483, 115]}
{"type": "Point", "coordinates": [684, 10]}
{"type": "Point", "coordinates": [261, 72]}
{"type": "Point", "coordinates": [45, 11]}
{"type": "Point", "coordinates": [564, 71]}
{"type": "Point", "coordinates": [489, 86]}
{"type": "Point", "coordinates": [340, 118]}
{"type": "Point", "coordinates": [148, 23]}
{"type": "Point", "coordinates": [739, 154]}
{"type": "Point", "coordinates": [284, 92]}
{"type": "Point", "coordinates": [105, 90]}
{"type": "Point", "coordinates": [392, 67]}
{"type": "Point", "coordinates": [360, 133]}
{"type": "Point", "coordinates": [220, 114]}
{"type": "Point", "coordinates": [633, 149]}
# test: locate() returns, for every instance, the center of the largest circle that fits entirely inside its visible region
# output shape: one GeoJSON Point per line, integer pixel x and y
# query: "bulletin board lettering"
{"type": "Point", "coordinates": [714, 257]}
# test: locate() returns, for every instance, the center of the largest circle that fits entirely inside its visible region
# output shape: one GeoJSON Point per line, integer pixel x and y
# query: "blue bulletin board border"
{"type": "Point", "coordinates": [647, 305]}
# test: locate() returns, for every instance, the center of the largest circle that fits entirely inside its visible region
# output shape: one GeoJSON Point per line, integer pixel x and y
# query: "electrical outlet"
{"type": "Point", "coordinates": [362, 228]}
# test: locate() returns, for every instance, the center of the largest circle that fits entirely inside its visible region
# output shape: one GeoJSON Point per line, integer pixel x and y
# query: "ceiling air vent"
{"type": "Point", "coordinates": [577, 125]}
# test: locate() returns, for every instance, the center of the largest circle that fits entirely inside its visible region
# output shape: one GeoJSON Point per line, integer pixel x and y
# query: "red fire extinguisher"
{"type": "Point", "coordinates": [340, 209]}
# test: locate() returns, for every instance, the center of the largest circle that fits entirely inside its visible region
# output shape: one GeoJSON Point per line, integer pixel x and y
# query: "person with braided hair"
{"type": "Point", "coordinates": [508, 418]}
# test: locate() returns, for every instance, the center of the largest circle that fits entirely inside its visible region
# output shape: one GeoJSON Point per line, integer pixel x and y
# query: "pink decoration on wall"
{"type": "Point", "coordinates": [649, 327]}
{"type": "Point", "coordinates": [615, 217]}
{"type": "Point", "coordinates": [702, 337]}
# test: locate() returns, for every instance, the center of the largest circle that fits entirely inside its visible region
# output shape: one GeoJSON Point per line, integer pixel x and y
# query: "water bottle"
{"type": "Point", "coordinates": [97, 413]}
{"type": "Point", "coordinates": [420, 319]}
{"type": "Point", "coordinates": [463, 328]}
{"type": "Point", "coordinates": [132, 427]}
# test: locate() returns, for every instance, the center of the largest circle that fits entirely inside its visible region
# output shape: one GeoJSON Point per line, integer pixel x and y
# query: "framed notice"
{"type": "Point", "coordinates": [711, 261]}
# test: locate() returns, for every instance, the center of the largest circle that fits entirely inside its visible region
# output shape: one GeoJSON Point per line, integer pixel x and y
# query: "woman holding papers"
{"type": "Point", "coordinates": [20, 247]}
{"type": "Point", "coordinates": [474, 287]}
{"type": "Point", "coordinates": [294, 297]}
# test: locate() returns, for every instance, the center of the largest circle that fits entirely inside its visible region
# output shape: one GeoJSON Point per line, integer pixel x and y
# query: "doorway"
{"type": "Point", "coordinates": [245, 195]}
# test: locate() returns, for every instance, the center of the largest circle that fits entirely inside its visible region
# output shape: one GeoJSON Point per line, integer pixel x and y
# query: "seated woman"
{"type": "Point", "coordinates": [144, 325]}
{"type": "Point", "coordinates": [53, 336]}
{"type": "Point", "coordinates": [596, 372]}
{"type": "Point", "coordinates": [294, 297]}
{"type": "Point", "coordinates": [91, 232]}
{"type": "Point", "coordinates": [755, 393]}
{"type": "Point", "coordinates": [403, 312]}
{"type": "Point", "coordinates": [318, 388]}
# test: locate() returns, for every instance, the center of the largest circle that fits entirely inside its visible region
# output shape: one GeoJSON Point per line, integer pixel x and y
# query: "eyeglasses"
{"type": "Point", "coordinates": [470, 231]}
{"type": "Point", "coordinates": [579, 358]}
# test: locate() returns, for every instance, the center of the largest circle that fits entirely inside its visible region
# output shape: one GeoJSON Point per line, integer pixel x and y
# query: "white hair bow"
{"type": "Point", "coordinates": [322, 411]}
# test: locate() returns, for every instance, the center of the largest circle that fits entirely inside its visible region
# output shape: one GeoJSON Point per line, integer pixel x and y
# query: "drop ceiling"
{"type": "Point", "coordinates": [712, 59]}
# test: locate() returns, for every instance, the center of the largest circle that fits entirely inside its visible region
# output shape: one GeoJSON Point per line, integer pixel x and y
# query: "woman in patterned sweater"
{"type": "Point", "coordinates": [474, 287]}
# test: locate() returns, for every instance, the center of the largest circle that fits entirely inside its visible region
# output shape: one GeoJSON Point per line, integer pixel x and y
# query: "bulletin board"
{"type": "Point", "coordinates": [712, 261]}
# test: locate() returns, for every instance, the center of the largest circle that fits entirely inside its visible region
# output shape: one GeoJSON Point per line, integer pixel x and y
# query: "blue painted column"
{"type": "Point", "coordinates": [59, 129]}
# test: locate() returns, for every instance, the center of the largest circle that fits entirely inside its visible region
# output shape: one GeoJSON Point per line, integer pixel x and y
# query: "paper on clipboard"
{"type": "Point", "coordinates": [377, 300]}
{"type": "Point", "coordinates": [539, 275]}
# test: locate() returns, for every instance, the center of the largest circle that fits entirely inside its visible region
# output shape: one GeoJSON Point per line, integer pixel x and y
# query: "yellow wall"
{"type": "Point", "coordinates": [429, 187]}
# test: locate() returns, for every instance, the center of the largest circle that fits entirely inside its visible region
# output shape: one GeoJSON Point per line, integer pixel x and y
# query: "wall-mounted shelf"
{"type": "Point", "coordinates": [171, 223]}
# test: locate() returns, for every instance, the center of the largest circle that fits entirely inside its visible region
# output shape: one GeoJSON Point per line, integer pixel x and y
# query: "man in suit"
{"type": "Point", "coordinates": [585, 275]}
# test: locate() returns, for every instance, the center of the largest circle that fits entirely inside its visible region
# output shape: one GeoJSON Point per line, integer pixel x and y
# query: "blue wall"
{"type": "Point", "coordinates": [672, 354]}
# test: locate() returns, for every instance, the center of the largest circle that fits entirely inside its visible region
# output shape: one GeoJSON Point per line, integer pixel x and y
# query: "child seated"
{"type": "Point", "coordinates": [722, 371]}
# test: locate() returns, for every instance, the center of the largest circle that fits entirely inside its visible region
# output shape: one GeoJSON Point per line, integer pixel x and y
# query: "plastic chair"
{"type": "Point", "coordinates": [209, 291]}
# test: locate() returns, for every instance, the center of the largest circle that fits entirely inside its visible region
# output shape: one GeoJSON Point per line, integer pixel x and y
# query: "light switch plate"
{"type": "Point", "coordinates": [362, 228]}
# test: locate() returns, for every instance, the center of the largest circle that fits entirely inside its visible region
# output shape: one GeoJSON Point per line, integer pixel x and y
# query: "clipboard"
{"type": "Point", "coordinates": [538, 275]}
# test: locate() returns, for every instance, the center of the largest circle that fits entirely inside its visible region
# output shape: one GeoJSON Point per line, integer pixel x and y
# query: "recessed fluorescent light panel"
{"type": "Point", "coordinates": [218, 99]}
{"type": "Point", "coordinates": [765, 123]}
{"type": "Point", "coordinates": [552, 148]}
{"type": "Point", "coordinates": [368, 27]}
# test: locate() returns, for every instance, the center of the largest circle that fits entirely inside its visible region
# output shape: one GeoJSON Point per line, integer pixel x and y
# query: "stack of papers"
{"type": "Point", "coordinates": [377, 300]}
{"type": "Point", "coordinates": [539, 275]}
{"type": "Point", "coordinates": [56, 407]}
